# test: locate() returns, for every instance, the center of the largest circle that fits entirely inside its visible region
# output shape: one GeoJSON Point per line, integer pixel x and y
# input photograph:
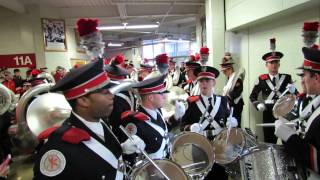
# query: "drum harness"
{"type": "Point", "coordinates": [205, 119]}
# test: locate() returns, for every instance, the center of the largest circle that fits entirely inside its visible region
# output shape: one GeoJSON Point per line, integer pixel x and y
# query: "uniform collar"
{"type": "Point", "coordinates": [95, 127]}
{"type": "Point", "coordinates": [276, 76]}
{"type": "Point", "coordinates": [153, 113]}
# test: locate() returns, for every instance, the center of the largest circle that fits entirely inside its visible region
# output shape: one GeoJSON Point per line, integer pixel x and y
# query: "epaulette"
{"type": "Point", "coordinates": [192, 99]}
{"type": "Point", "coordinates": [46, 133]}
{"type": "Point", "coordinates": [129, 115]}
{"type": "Point", "coordinates": [301, 95]}
{"type": "Point", "coordinates": [75, 135]}
{"type": "Point", "coordinates": [264, 76]}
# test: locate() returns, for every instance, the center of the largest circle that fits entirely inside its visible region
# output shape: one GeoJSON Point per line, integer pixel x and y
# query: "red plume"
{"type": "Point", "coordinates": [311, 26]}
{"type": "Point", "coordinates": [119, 59]}
{"type": "Point", "coordinates": [192, 58]}
{"type": "Point", "coordinates": [204, 50]}
{"type": "Point", "coordinates": [87, 26]}
{"type": "Point", "coordinates": [197, 57]}
{"type": "Point", "coordinates": [162, 59]}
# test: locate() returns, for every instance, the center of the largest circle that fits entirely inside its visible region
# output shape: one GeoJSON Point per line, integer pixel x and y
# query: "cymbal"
{"type": "Point", "coordinates": [46, 111]}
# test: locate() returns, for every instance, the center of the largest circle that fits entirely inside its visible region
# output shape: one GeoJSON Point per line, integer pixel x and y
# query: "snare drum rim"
{"type": "Point", "coordinates": [145, 162]}
{"type": "Point", "coordinates": [242, 132]}
{"type": "Point", "coordinates": [208, 168]}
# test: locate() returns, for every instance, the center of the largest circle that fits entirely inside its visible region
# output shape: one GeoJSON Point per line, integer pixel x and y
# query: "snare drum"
{"type": "Point", "coordinates": [227, 148]}
{"type": "Point", "coordinates": [269, 162]}
{"type": "Point", "coordinates": [144, 170]}
{"type": "Point", "coordinates": [194, 153]}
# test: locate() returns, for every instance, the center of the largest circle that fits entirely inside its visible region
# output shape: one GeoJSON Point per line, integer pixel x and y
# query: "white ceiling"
{"type": "Point", "coordinates": [177, 18]}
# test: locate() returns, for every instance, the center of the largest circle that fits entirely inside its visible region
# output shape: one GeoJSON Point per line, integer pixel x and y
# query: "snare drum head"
{"type": "Point", "coordinates": [149, 172]}
{"type": "Point", "coordinates": [225, 150]}
{"type": "Point", "coordinates": [193, 152]}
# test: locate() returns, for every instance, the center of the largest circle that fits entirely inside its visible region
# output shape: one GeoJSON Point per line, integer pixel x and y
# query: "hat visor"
{"type": "Point", "coordinates": [205, 77]}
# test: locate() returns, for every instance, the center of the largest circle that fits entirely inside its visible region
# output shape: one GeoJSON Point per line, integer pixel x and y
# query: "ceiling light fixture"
{"type": "Point", "coordinates": [146, 26]}
{"type": "Point", "coordinates": [114, 44]}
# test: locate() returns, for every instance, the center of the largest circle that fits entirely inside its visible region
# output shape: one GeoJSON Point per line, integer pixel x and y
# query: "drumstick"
{"type": "Point", "coordinates": [273, 124]}
{"type": "Point", "coordinates": [229, 128]}
{"type": "Point", "coordinates": [193, 164]}
{"type": "Point", "coordinates": [144, 153]}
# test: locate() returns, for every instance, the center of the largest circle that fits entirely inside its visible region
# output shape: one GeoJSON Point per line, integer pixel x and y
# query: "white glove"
{"type": "Point", "coordinates": [196, 127]}
{"type": "Point", "coordinates": [291, 88]}
{"type": "Point", "coordinates": [130, 147]}
{"type": "Point", "coordinates": [283, 131]}
{"type": "Point", "coordinates": [261, 107]}
{"type": "Point", "coordinates": [180, 109]}
{"type": "Point", "coordinates": [232, 122]}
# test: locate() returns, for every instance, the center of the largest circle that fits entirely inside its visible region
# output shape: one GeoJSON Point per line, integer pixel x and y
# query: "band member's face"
{"type": "Point", "coordinates": [311, 82]}
{"type": "Point", "coordinates": [190, 74]}
{"type": "Point", "coordinates": [158, 100]}
{"type": "Point", "coordinates": [206, 86]}
{"type": "Point", "coordinates": [273, 67]}
{"type": "Point", "coordinates": [101, 103]}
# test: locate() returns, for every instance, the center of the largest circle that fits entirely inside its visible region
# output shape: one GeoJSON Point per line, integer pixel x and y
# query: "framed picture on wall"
{"type": "Point", "coordinates": [78, 39]}
{"type": "Point", "coordinates": [54, 34]}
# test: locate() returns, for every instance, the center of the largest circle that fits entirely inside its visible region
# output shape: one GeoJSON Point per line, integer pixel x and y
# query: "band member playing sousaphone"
{"type": "Point", "coordinates": [234, 87]}
{"type": "Point", "coordinates": [306, 149]}
{"type": "Point", "coordinates": [271, 86]}
{"type": "Point", "coordinates": [208, 113]}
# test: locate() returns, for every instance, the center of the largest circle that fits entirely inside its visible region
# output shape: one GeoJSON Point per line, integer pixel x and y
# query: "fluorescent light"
{"type": "Point", "coordinates": [146, 26]}
{"type": "Point", "coordinates": [114, 44]}
{"type": "Point", "coordinates": [102, 28]}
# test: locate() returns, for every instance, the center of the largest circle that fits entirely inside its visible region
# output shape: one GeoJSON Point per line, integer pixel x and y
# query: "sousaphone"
{"type": "Point", "coordinates": [36, 111]}
{"type": "Point", "coordinates": [240, 74]}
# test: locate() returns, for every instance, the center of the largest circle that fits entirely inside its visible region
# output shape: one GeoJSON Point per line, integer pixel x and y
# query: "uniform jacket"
{"type": "Point", "coordinates": [262, 86]}
{"type": "Point", "coordinates": [80, 161]}
{"type": "Point", "coordinates": [193, 113]}
{"type": "Point", "coordinates": [122, 102]}
{"type": "Point", "coordinates": [307, 150]}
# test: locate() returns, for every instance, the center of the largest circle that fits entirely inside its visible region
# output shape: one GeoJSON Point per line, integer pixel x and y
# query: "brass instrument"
{"type": "Point", "coordinates": [232, 82]}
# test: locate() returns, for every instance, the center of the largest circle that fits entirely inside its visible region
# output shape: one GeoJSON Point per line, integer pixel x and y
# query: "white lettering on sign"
{"type": "Point", "coordinates": [22, 60]}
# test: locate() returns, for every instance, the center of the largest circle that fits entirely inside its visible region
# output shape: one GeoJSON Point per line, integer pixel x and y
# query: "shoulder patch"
{"type": "Point", "coordinates": [131, 129]}
{"type": "Point", "coordinates": [301, 95]}
{"type": "Point", "coordinates": [130, 115]}
{"type": "Point", "coordinates": [46, 133]}
{"type": "Point", "coordinates": [52, 163]}
{"type": "Point", "coordinates": [264, 76]}
{"type": "Point", "coordinates": [75, 135]}
{"type": "Point", "coordinates": [192, 99]}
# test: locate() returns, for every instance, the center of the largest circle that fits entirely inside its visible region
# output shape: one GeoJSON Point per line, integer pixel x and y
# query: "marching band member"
{"type": "Point", "coordinates": [148, 123]}
{"type": "Point", "coordinates": [215, 108]}
{"type": "Point", "coordinates": [145, 69]}
{"type": "Point", "coordinates": [234, 93]}
{"type": "Point", "coordinates": [191, 77]}
{"type": "Point", "coordinates": [178, 76]}
{"type": "Point", "coordinates": [83, 147]}
{"type": "Point", "coordinates": [124, 100]}
{"type": "Point", "coordinates": [306, 150]}
{"type": "Point", "coordinates": [271, 86]}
